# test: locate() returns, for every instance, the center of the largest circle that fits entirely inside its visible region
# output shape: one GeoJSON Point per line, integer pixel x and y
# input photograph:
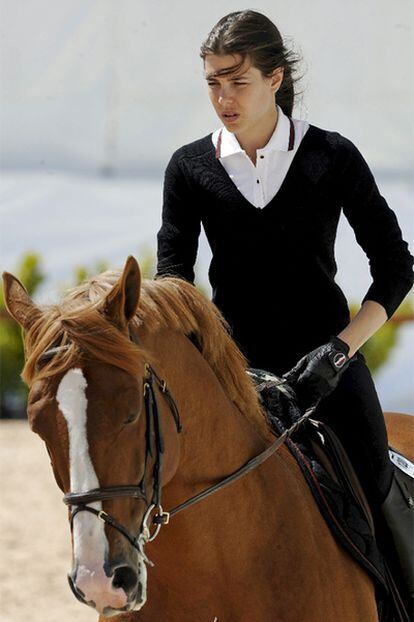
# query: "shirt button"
{"type": "Point", "coordinates": [262, 156]}
{"type": "Point", "coordinates": [258, 181]}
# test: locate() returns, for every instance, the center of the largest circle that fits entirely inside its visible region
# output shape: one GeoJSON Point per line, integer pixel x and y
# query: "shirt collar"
{"type": "Point", "coordinates": [279, 140]}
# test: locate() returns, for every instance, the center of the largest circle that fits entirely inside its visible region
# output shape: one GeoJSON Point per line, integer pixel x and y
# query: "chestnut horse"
{"type": "Point", "coordinates": [256, 551]}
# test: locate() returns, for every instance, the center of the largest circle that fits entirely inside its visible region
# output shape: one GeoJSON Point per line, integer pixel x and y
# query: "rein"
{"type": "Point", "coordinates": [155, 446]}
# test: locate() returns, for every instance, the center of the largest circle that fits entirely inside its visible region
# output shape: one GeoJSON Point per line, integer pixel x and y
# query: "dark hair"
{"type": "Point", "coordinates": [252, 34]}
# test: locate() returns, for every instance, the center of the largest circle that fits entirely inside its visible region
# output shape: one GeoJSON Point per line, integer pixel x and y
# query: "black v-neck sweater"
{"type": "Point", "coordinates": [273, 269]}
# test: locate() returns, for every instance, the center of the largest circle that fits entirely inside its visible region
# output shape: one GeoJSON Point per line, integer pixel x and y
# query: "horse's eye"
{"type": "Point", "coordinates": [131, 418]}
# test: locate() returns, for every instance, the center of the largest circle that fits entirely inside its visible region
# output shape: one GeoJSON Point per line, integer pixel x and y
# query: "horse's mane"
{"type": "Point", "coordinates": [168, 302]}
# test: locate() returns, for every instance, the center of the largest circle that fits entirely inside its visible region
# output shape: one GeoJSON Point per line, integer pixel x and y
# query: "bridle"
{"type": "Point", "coordinates": [155, 445]}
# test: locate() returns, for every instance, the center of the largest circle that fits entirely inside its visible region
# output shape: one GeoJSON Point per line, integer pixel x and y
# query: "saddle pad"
{"type": "Point", "coordinates": [345, 515]}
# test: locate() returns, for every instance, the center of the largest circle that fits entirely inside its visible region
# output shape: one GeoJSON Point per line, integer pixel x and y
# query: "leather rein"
{"type": "Point", "coordinates": [155, 446]}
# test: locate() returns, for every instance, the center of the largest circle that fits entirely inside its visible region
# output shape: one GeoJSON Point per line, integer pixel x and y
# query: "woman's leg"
{"type": "Point", "coordinates": [354, 412]}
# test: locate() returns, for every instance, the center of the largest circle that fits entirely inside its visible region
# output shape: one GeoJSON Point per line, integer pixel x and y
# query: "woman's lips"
{"type": "Point", "coordinates": [230, 118]}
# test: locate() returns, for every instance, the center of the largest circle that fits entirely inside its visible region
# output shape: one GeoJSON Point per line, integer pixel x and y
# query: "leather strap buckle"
{"type": "Point", "coordinates": [161, 519]}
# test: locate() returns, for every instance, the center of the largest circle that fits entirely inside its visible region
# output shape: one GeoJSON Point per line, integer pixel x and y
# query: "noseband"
{"type": "Point", "coordinates": [155, 446]}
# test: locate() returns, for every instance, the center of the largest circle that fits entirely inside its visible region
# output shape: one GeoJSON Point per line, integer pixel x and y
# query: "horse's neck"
{"type": "Point", "coordinates": [217, 438]}
{"type": "Point", "coordinates": [266, 523]}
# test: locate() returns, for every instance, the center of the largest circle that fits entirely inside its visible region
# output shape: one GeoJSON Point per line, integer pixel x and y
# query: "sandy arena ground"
{"type": "Point", "coordinates": [34, 534]}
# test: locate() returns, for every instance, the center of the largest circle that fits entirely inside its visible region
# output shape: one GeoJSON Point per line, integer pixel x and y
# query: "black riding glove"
{"type": "Point", "coordinates": [317, 373]}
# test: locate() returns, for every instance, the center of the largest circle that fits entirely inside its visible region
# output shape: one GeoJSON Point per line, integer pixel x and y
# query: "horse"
{"type": "Point", "coordinates": [100, 365]}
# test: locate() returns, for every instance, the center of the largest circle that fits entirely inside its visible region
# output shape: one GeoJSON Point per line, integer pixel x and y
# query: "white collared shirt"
{"type": "Point", "coordinates": [260, 183]}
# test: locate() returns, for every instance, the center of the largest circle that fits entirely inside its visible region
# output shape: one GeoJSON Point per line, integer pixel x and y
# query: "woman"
{"type": "Point", "coordinates": [269, 190]}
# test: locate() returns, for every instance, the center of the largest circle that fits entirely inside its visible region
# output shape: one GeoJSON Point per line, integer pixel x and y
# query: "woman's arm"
{"type": "Point", "coordinates": [314, 376]}
{"type": "Point", "coordinates": [366, 322]}
{"type": "Point", "coordinates": [177, 239]}
{"type": "Point", "coordinates": [391, 265]}
{"type": "Point", "coordinates": [378, 233]}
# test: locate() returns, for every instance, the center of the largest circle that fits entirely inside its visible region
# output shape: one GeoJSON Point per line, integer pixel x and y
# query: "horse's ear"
{"type": "Point", "coordinates": [121, 303]}
{"type": "Point", "coordinates": [18, 302]}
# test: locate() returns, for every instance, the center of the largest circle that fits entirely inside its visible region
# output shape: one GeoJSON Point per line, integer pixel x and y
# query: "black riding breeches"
{"type": "Point", "coordinates": [354, 413]}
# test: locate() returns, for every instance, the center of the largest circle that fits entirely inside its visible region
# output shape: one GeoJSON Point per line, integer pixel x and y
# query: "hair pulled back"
{"type": "Point", "coordinates": [252, 34]}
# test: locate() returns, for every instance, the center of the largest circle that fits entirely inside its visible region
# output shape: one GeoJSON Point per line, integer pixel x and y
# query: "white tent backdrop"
{"type": "Point", "coordinates": [88, 84]}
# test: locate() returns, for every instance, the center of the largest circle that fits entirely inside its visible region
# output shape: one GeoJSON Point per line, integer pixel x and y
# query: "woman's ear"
{"type": "Point", "coordinates": [277, 78]}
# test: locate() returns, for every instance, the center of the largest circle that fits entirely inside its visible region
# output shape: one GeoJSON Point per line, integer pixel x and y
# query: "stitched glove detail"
{"type": "Point", "coordinates": [317, 373]}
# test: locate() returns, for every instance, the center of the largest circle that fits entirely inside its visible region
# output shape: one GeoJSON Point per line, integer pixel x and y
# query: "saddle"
{"type": "Point", "coordinates": [335, 486]}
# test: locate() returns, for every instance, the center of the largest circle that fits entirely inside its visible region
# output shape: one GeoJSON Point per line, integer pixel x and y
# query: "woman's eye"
{"type": "Point", "coordinates": [238, 83]}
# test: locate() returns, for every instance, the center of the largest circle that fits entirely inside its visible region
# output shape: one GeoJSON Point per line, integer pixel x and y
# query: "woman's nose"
{"type": "Point", "coordinates": [225, 95]}
{"type": "Point", "coordinates": [225, 100]}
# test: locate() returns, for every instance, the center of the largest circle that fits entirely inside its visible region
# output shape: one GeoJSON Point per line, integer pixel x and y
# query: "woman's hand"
{"type": "Point", "coordinates": [317, 373]}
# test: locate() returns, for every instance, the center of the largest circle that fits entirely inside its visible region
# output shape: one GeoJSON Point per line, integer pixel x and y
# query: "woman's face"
{"type": "Point", "coordinates": [246, 92]}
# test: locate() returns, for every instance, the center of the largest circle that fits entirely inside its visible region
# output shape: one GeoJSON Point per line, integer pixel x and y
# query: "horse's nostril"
{"type": "Point", "coordinates": [126, 578]}
{"type": "Point", "coordinates": [76, 591]}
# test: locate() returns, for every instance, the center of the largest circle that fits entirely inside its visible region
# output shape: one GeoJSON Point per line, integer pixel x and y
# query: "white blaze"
{"type": "Point", "coordinates": [90, 545]}
{"type": "Point", "coordinates": [89, 541]}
